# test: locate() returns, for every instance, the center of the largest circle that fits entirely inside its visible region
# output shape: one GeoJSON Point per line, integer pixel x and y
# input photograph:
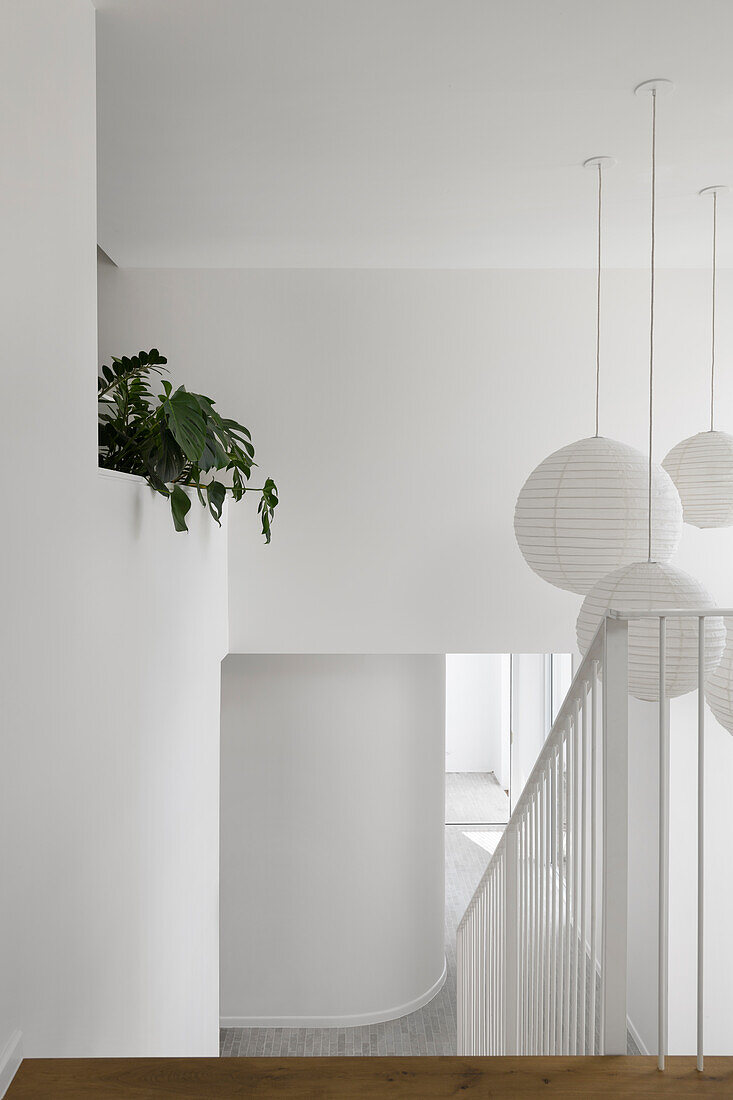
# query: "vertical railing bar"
{"type": "Point", "coordinates": [508, 856]}
{"type": "Point", "coordinates": [520, 940]}
{"type": "Point", "coordinates": [491, 967]}
{"type": "Point", "coordinates": [536, 952]}
{"type": "Point", "coordinates": [490, 924]}
{"type": "Point", "coordinates": [602, 819]}
{"type": "Point", "coordinates": [530, 943]}
{"type": "Point", "coordinates": [479, 975]}
{"type": "Point", "coordinates": [593, 853]}
{"type": "Point", "coordinates": [477, 979]}
{"type": "Point", "coordinates": [496, 940]}
{"type": "Point", "coordinates": [472, 971]}
{"type": "Point", "coordinates": [700, 838]}
{"type": "Point", "coordinates": [525, 937]}
{"type": "Point", "coordinates": [485, 932]}
{"type": "Point", "coordinates": [527, 909]}
{"type": "Point", "coordinates": [459, 991]}
{"type": "Point", "coordinates": [482, 982]}
{"type": "Point", "coordinates": [553, 910]}
{"type": "Point", "coordinates": [548, 871]}
{"type": "Point", "coordinates": [584, 868]}
{"type": "Point", "coordinates": [483, 976]}
{"type": "Point", "coordinates": [560, 840]}
{"type": "Point", "coordinates": [568, 857]}
{"type": "Point", "coordinates": [541, 914]}
{"type": "Point", "coordinates": [530, 935]}
{"type": "Point", "coordinates": [488, 932]}
{"type": "Point", "coordinates": [615, 835]}
{"type": "Point", "coordinates": [468, 985]}
{"type": "Point", "coordinates": [496, 945]}
{"type": "Point", "coordinates": [485, 901]}
{"type": "Point", "coordinates": [573, 890]}
{"type": "Point", "coordinates": [663, 845]}
{"type": "Point", "coordinates": [497, 974]}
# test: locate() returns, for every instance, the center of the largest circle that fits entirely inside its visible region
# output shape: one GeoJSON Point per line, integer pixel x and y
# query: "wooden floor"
{"type": "Point", "coordinates": [365, 1078]}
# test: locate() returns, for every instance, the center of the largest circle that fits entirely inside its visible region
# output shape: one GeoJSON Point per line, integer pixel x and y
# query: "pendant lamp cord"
{"type": "Point", "coordinates": [598, 298]}
{"type": "Point", "coordinates": [712, 342]}
{"type": "Point", "coordinates": [651, 309]}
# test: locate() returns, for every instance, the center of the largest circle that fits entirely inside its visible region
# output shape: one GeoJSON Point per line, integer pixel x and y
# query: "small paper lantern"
{"type": "Point", "coordinates": [702, 469]}
{"type": "Point", "coordinates": [583, 512]}
{"type": "Point", "coordinates": [719, 684]}
{"type": "Point", "coordinates": [649, 586]}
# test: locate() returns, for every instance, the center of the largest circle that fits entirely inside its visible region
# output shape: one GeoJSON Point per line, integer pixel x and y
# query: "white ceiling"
{"type": "Point", "coordinates": [408, 133]}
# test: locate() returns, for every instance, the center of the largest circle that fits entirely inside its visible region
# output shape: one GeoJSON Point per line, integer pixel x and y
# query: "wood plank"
{"type": "Point", "coordinates": [365, 1078]}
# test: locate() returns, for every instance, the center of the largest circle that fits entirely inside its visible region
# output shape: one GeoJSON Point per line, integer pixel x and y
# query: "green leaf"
{"type": "Point", "coordinates": [216, 495]}
{"type": "Point", "coordinates": [163, 455]}
{"type": "Point", "coordinates": [186, 422]}
{"type": "Point", "coordinates": [232, 426]}
{"type": "Point", "coordinates": [213, 454]}
{"type": "Point", "coordinates": [155, 483]}
{"type": "Point", "coordinates": [180, 506]}
{"type": "Point", "coordinates": [267, 505]}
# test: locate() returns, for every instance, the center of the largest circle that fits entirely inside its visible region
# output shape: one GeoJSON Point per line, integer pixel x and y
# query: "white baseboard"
{"type": "Point", "coordinates": [360, 1020]}
{"type": "Point", "coordinates": [10, 1058]}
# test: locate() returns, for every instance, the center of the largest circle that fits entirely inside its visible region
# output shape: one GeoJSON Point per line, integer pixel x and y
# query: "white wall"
{"type": "Point", "coordinates": [141, 890]}
{"type": "Point", "coordinates": [114, 627]}
{"type": "Point", "coordinates": [529, 718]}
{"type": "Point", "coordinates": [332, 891]}
{"type": "Point", "coordinates": [474, 713]}
{"type": "Point", "coordinates": [401, 412]}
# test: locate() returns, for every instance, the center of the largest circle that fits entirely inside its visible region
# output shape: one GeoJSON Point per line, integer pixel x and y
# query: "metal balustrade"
{"type": "Point", "coordinates": [542, 946]}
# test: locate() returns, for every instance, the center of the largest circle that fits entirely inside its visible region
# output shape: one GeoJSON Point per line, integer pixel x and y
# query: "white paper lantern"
{"type": "Point", "coordinates": [719, 684]}
{"type": "Point", "coordinates": [649, 586]}
{"type": "Point", "coordinates": [583, 512]}
{"type": "Point", "coordinates": [702, 469]}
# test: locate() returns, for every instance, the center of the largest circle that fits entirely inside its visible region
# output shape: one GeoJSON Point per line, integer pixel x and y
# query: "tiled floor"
{"type": "Point", "coordinates": [475, 797]}
{"type": "Point", "coordinates": [431, 1030]}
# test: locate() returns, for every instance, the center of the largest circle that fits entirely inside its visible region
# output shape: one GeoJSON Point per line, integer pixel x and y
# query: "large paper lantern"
{"type": "Point", "coordinates": [702, 469]}
{"type": "Point", "coordinates": [583, 513]}
{"type": "Point", "coordinates": [650, 586]}
{"type": "Point", "coordinates": [719, 684]}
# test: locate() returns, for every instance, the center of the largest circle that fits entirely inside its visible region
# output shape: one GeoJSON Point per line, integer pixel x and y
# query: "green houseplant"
{"type": "Point", "coordinates": [175, 439]}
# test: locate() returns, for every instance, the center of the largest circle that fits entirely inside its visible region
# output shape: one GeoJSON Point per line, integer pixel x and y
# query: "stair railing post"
{"type": "Point", "coordinates": [511, 942]}
{"type": "Point", "coordinates": [615, 835]}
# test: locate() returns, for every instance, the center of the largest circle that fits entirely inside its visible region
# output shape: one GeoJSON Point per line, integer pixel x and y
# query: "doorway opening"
{"type": "Point", "coordinates": [499, 709]}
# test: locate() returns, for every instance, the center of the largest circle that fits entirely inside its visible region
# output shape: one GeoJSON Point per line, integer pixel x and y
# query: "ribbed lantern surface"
{"type": "Point", "coordinates": [719, 684]}
{"type": "Point", "coordinates": [702, 469]}
{"type": "Point", "coordinates": [649, 586]}
{"type": "Point", "coordinates": [583, 512]}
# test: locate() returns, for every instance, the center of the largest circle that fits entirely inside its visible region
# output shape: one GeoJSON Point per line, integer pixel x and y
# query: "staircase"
{"type": "Point", "coordinates": [542, 947]}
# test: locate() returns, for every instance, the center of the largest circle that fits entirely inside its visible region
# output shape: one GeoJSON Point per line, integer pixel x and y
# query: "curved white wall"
{"type": "Point", "coordinates": [332, 888]}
